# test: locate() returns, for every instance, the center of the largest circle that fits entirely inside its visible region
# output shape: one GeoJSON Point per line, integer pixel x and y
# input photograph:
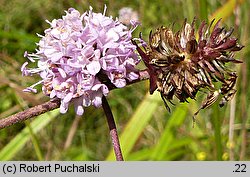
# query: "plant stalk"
{"type": "Point", "coordinates": [112, 129]}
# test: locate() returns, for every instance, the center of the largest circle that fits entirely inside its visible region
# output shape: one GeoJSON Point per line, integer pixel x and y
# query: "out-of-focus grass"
{"type": "Point", "coordinates": [146, 129]}
{"type": "Point", "coordinates": [18, 143]}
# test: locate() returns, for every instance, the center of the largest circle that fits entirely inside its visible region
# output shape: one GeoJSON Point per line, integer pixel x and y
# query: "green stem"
{"type": "Point", "coordinates": [217, 132]}
{"type": "Point", "coordinates": [35, 142]}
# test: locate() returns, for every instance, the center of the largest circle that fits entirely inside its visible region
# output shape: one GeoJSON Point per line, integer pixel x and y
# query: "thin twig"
{"type": "Point", "coordinates": [72, 132]}
{"type": "Point", "coordinates": [112, 129]}
{"type": "Point", "coordinates": [48, 106]}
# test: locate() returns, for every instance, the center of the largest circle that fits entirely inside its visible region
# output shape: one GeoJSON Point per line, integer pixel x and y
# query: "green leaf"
{"type": "Point", "coordinates": [216, 122]}
{"type": "Point", "coordinates": [17, 143]}
{"type": "Point", "coordinates": [167, 137]}
{"type": "Point", "coordinates": [177, 153]}
{"type": "Point", "coordinates": [35, 142]}
{"type": "Point", "coordinates": [224, 11]}
{"type": "Point", "coordinates": [136, 124]}
{"type": "Point", "coordinates": [178, 143]}
{"type": "Point", "coordinates": [143, 154]}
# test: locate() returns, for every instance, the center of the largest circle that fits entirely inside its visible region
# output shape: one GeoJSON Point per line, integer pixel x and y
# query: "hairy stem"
{"type": "Point", "coordinates": [29, 113]}
{"type": "Point", "coordinates": [112, 129]}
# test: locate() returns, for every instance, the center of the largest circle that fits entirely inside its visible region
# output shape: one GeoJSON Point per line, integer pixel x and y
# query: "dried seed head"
{"type": "Point", "coordinates": [180, 65]}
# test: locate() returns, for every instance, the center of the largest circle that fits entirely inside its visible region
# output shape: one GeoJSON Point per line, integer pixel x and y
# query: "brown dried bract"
{"type": "Point", "coordinates": [180, 65]}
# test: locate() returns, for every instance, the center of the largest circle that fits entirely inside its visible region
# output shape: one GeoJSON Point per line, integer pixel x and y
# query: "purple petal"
{"type": "Point", "coordinates": [105, 90]}
{"type": "Point", "coordinates": [134, 23]}
{"type": "Point", "coordinates": [94, 67]}
{"type": "Point", "coordinates": [133, 76]}
{"type": "Point", "coordinates": [24, 70]}
{"type": "Point", "coordinates": [103, 64]}
{"type": "Point", "coordinates": [25, 54]}
{"type": "Point", "coordinates": [78, 107]}
{"type": "Point", "coordinates": [30, 89]}
{"type": "Point", "coordinates": [52, 94]}
{"type": "Point", "coordinates": [120, 83]}
{"type": "Point", "coordinates": [79, 110]}
{"type": "Point", "coordinates": [96, 87]}
{"type": "Point", "coordinates": [97, 102]}
{"type": "Point", "coordinates": [63, 107]}
{"type": "Point", "coordinates": [97, 54]}
{"type": "Point", "coordinates": [68, 97]}
{"type": "Point", "coordinates": [86, 101]}
{"type": "Point", "coordinates": [113, 35]}
{"type": "Point", "coordinates": [55, 57]}
{"type": "Point", "coordinates": [62, 72]}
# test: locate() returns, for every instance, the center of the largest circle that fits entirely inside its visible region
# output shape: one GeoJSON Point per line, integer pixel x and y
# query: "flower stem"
{"type": "Point", "coordinates": [112, 129]}
{"type": "Point", "coordinates": [29, 113]}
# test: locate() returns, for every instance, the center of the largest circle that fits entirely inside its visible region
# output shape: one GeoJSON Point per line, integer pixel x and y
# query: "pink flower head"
{"type": "Point", "coordinates": [77, 52]}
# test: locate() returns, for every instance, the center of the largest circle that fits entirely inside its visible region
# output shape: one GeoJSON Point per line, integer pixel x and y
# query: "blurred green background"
{"type": "Point", "coordinates": [147, 131]}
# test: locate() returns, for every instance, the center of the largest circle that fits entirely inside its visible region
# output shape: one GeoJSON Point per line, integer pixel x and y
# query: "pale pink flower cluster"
{"type": "Point", "coordinates": [74, 50]}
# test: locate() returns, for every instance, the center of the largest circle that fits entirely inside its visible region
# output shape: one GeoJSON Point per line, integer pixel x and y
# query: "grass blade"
{"type": "Point", "coordinates": [217, 132]}
{"type": "Point", "coordinates": [17, 143]}
{"type": "Point", "coordinates": [167, 137]}
{"type": "Point", "coordinates": [35, 141]}
{"type": "Point", "coordinates": [225, 11]}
